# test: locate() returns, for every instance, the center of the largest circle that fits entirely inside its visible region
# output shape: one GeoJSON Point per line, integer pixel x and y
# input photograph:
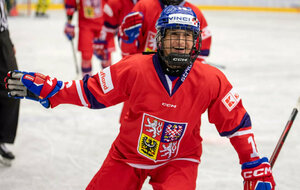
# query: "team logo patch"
{"type": "Point", "coordinates": [92, 8]}
{"type": "Point", "coordinates": [231, 99]}
{"type": "Point", "coordinates": [205, 33]}
{"type": "Point", "coordinates": [151, 42]}
{"type": "Point", "coordinates": [105, 80]}
{"type": "Point", "coordinates": [159, 139]}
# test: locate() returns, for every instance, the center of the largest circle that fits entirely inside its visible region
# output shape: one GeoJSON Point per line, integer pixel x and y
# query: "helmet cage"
{"type": "Point", "coordinates": [175, 63]}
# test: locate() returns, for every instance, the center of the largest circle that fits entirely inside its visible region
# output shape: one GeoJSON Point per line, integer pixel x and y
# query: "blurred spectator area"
{"type": "Point", "coordinates": [248, 5]}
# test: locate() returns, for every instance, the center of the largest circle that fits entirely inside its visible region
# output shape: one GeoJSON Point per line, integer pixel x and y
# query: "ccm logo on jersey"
{"type": "Point", "coordinates": [105, 80]}
{"type": "Point", "coordinates": [257, 173]}
{"type": "Point", "coordinates": [231, 99]}
{"type": "Point", "coordinates": [168, 105]}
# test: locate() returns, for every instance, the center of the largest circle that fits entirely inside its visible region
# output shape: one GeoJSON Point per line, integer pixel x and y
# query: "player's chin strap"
{"type": "Point", "coordinates": [176, 60]}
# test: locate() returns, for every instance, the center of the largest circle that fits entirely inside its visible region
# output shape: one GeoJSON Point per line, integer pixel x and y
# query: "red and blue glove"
{"type": "Point", "coordinates": [100, 49]}
{"type": "Point", "coordinates": [69, 31]}
{"type": "Point", "coordinates": [131, 27]}
{"type": "Point", "coordinates": [258, 175]}
{"type": "Point", "coordinates": [34, 86]}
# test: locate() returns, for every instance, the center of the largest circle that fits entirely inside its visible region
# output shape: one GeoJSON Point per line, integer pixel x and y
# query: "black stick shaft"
{"type": "Point", "coordinates": [75, 57]}
{"type": "Point", "coordinates": [283, 137]}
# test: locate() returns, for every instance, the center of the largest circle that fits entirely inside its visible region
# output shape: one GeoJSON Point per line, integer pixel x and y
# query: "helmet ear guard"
{"type": "Point", "coordinates": [183, 19]}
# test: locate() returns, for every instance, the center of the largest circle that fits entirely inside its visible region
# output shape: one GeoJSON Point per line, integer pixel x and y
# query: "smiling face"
{"type": "Point", "coordinates": [177, 41]}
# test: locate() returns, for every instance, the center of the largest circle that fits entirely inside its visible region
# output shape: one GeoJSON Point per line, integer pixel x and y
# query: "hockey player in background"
{"type": "Point", "coordinates": [9, 108]}
{"type": "Point", "coordinates": [114, 12]}
{"type": "Point", "coordinates": [90, 21]}
{"type": "Point", "coordinates": [41, 8]}
{"type": "Point", "coordinates": [167, 93]}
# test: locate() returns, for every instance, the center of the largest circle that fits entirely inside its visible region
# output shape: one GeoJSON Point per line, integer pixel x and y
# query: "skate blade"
{"type": "Point", "coordinates": [5, 161]}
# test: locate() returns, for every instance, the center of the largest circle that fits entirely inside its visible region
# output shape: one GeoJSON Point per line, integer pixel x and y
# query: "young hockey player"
{"type": "Point", "coordinates": [114, 12]}
{"type": "Point", "coordinates": [167, 93]}
{"type": "Point", "coordinates": [9, 108]}
{"type": "Point", "coordinates": [90, 18]}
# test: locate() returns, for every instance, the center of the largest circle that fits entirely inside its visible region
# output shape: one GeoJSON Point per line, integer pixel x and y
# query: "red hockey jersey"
{"type": "Point", "coordinates": [163, 121]}
{"type": "Point", "coordinates": [114, 12]}
{"type": "Point", "coordinates": [90, 12]}
{"type": "Point", "coordinates": [151, 10]}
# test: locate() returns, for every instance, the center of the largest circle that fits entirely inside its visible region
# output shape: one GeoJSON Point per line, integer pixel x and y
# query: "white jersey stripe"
{"type": "Point", "coordinates": [169, 83]}
{"type": "Point", "coordinates": [240, 133]}
{"type": "Point", "coordinates": [79, 91]}
{"type": "Point", "coordinates": [149, 167]}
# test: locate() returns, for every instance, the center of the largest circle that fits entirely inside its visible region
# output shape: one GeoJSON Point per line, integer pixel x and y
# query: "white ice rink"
{"type": "Point", "coordinates": [62, 149]}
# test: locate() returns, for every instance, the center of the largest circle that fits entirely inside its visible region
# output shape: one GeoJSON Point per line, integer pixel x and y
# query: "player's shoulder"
{"type": "Point", "coordinates": [137, 60]}
{"type": "Point", "coordinates": [146, 6]}
{"type": "Point", "coordinates": [194, 8]}
{"type": "Point", "coordinates": [190, 5]}
{"type": "Point", "coordinates": [113, 3]}
{"type": "Point", "coordinates": [207, 70]}
{"type": "Point", "coordinates": [147, 2]}
{"type": "Point", "coordinates": [137, 56]}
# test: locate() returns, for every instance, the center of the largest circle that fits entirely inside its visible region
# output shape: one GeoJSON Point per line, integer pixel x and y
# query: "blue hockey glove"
{"type": "Point", "coordinates": [69, 31]}
{"type": "Point", "coordinates": [34, 86]}
{"type": "Point", "coordinates": [258, 175]}
{"type": "Point", "coordinates": [131, 27]}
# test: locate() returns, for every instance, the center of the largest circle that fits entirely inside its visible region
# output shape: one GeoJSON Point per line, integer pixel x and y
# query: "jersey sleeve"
{"type": "Point", "coordinates": [106, 88]}
{"type": "Point", "coordinates": [71, 7]}
{"type": "Point", "coordinates": [110, 25]}
{"type": "Point", "coordinates": [232, 120]}
{"type": "Point", "coordinates": [111, 16]}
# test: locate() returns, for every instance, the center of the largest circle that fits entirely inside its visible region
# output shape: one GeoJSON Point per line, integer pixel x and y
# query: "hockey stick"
{"type": "Point", "coordinates": [75, 58]}
{"type": "Point", "coordinates": [284, 134]}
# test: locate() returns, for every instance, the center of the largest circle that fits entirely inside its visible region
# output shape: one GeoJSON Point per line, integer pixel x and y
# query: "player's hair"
{"type": "Point", "coordinates": [172, 18]}
{"type": "Point", "coordinates": [171, 2]}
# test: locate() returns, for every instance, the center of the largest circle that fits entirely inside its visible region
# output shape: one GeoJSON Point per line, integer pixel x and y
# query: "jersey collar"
{"type": "Point", "coordinates": [161, 75]}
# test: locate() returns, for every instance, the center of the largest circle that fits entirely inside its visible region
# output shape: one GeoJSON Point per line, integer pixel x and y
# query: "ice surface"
{"type": "Point", "coordinates": [63, 148]}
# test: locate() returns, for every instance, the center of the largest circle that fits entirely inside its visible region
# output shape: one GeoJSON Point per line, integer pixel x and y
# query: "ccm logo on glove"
{"type": "Point", "coordinates": [257, 173]}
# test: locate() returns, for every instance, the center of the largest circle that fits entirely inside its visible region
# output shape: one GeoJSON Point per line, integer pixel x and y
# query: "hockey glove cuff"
{"type": "Point", "coordinates": [258, 175]}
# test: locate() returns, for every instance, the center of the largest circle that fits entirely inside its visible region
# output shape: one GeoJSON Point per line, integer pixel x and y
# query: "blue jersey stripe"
{"type": "Point", "coordinates": [246, 122]}
{"type": "Point", "coordinates": [91, 98]}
